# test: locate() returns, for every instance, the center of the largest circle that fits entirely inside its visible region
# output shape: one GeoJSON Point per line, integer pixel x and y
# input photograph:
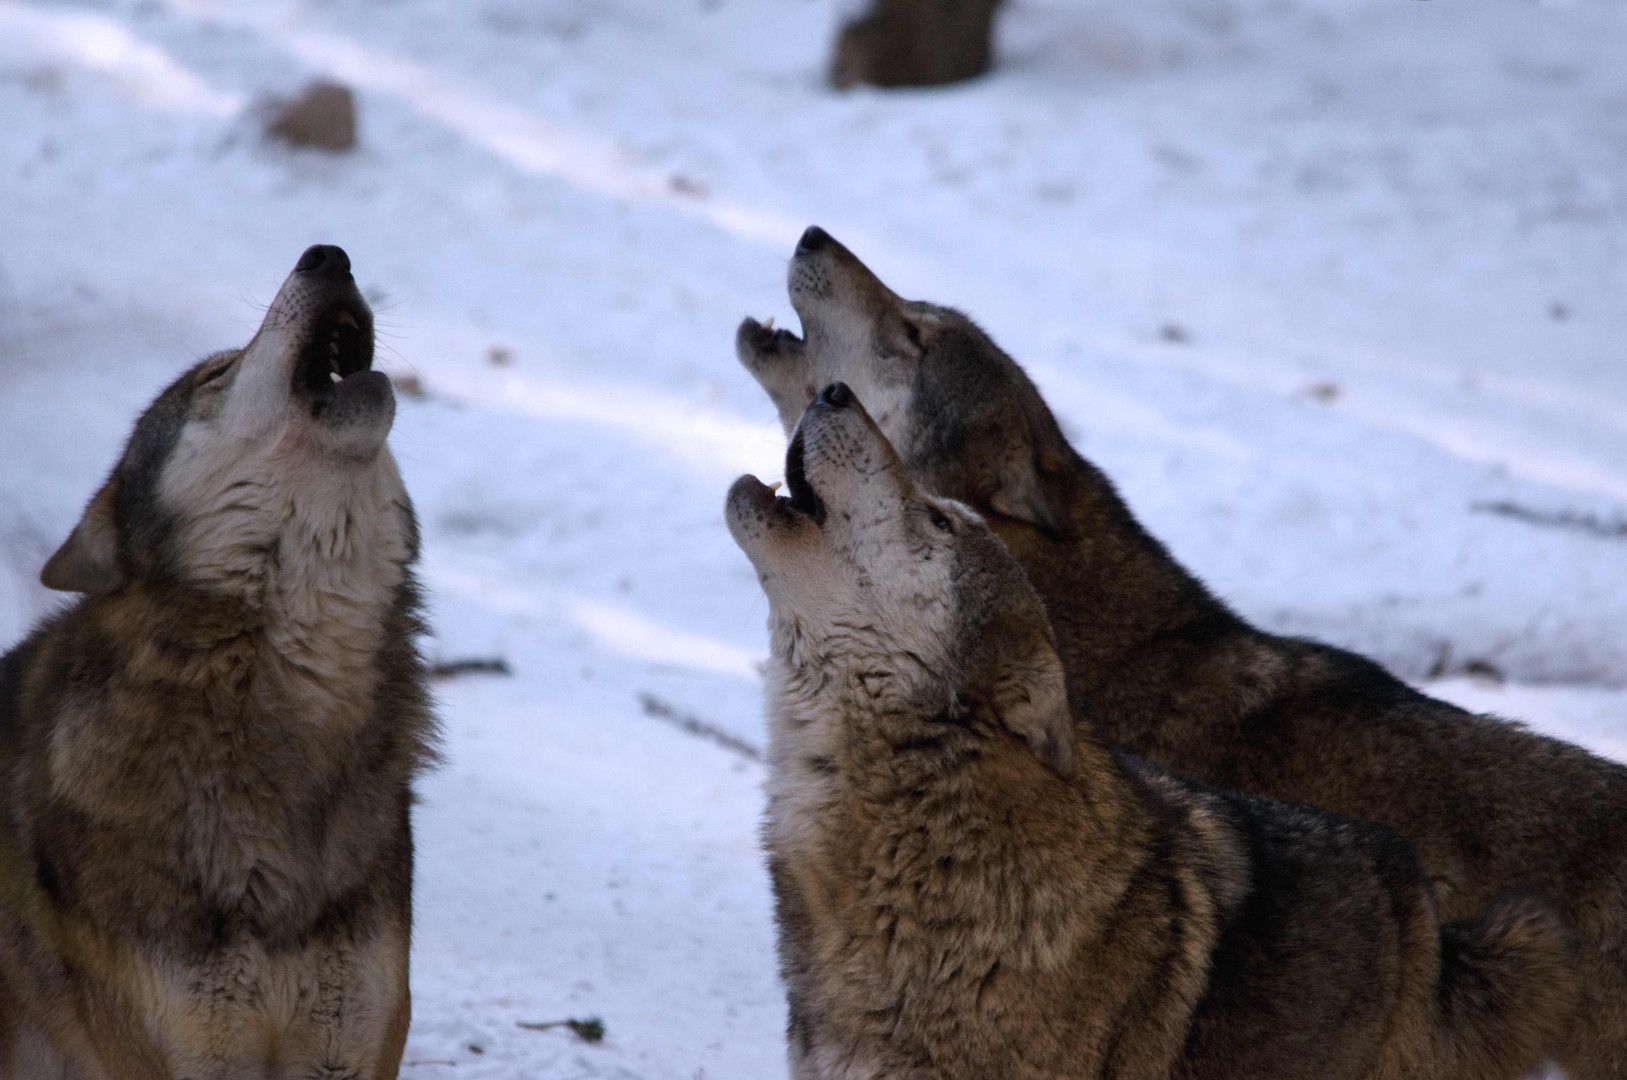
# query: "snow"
{"type": "Point", "coordinates": [1321, 284]}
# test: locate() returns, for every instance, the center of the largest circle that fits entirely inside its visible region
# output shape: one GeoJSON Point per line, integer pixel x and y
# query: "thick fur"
{"type": "Point", "coordinates": [205, 850]}
{"type": "Point", "coordinates": [1169, 672]}
{"type": "Point", "coordinates": [968, 884]}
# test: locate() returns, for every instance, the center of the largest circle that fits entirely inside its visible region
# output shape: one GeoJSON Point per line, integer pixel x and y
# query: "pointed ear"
{"type": "Point", "coordinates": [1021, 495]}
{"type": "Point", "coordinates": [1031, 699]}
{"type": "Point", "coordinates": [89, 561]}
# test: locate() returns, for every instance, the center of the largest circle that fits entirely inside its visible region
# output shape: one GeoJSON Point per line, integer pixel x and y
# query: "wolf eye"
{"type": "Point", "coordinates": [940, 520]}
{"type": "Point", "coordinates": [215, 374]}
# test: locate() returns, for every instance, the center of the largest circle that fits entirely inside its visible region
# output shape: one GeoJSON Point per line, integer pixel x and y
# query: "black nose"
{"type": "Point", "coordinates": [323, 260]}
{"type": "Point", "coordinates": [813, 238]}
{"type": "Point", "coordinates": [836, 395]}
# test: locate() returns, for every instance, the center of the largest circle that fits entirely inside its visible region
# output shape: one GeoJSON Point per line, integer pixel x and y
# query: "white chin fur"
{"type": "Point", "coordinates": [357, 420]}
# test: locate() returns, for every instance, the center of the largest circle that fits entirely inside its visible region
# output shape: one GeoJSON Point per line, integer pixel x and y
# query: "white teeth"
{"type": "Point", "coordinates": [775, 486]}
{"type": "Point", "coordinates": [334, 375]}
{"type": "Point", "coordinates": [346, 319]}
{"type": "Point", "coordinates": [768, 323]}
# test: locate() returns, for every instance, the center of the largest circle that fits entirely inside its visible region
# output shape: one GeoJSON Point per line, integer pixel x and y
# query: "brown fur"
{"type": "Point", "coordinates": [1169, 672]}
{"type": "Point", "coordinates": [970, 885]}
{"type": "Point", "coordinates": [206, 853]}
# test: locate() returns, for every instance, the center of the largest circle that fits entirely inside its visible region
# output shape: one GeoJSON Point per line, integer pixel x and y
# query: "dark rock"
{"type": "Point", "coordinates": [323, 116]}
{"type": "Point", "coordinates": [915, 43]}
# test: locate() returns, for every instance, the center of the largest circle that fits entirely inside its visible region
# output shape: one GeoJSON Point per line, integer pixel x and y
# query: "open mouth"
{"type": "Point", "coordinates": [765, 339]}
{"type": "Point", "coordinates": [803, 498]}
{"type": "Point", "coordinates": [340, 343]}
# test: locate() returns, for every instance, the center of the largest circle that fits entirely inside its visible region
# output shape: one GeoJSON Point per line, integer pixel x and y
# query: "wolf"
{"type": "Point", "coordinates": [969, 884]}
{"type": "Point", "coordinates": [205, 848]}
{"type": "Point", "coordinates": [1169, 672]}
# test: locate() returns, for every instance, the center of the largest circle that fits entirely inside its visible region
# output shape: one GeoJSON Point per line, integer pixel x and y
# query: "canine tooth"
{"type": "Point", "coordinates": [776, 485]}
{"type": "Point", "coordinates": [347, 319]}
{"type": "Point", "coordinates": [768, 324]}
{"type": "Point", "coordinates": [334, 375]}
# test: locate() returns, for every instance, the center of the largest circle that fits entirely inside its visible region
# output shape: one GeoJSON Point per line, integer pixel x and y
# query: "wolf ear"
{"type": "Point", "coordinates": [1031, 699]}
{"type": "Point", "coordinates": [1021, 495]}
{"type": "Point", "coordinates": [88, 562]}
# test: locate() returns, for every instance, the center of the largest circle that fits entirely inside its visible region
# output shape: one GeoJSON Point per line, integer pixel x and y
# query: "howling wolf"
{"type": "Point", "coordinates": [1169, 672]}
{"type": "Point", "coordinates": [205, 853]}
{"type": "Point", "coordinates": [969, 884]}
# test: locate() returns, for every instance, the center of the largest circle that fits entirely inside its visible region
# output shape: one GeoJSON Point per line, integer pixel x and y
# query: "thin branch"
{"type": "Point", "coordinates": [479, 665]}
{"type": "Point", "coordinates": [590, 1030]}
{"type": "Point", "coordinates": [694, 725]}
{"type": "Point", "coordinates": [1575, 520]}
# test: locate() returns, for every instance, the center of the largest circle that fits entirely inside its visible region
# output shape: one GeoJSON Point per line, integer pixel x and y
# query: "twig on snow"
{"type": "Point", "coordinates": [478, 665]}
{"type": "Point", "coordinates": [1576, 520]}
{"type": "Point", "coordinates": [694, 725]}
{"type": "Point", "coordinates": [590, 1030]}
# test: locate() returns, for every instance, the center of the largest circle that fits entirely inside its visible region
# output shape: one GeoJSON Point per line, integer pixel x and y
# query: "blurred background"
{"type": "Point", "coordinates": [1336, 290]}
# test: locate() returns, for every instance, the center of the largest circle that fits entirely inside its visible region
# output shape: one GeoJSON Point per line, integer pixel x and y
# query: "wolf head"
{"type": "Point", "coordinates": [881, 592]}
{"type": "Point", "coordinates": [259, 465]}
{"type": "Point", "coordinates": [965, 418]}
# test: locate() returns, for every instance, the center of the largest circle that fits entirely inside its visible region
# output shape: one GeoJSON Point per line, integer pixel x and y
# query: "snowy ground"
{"type": "Point", "coordinates": [1386, 238]}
